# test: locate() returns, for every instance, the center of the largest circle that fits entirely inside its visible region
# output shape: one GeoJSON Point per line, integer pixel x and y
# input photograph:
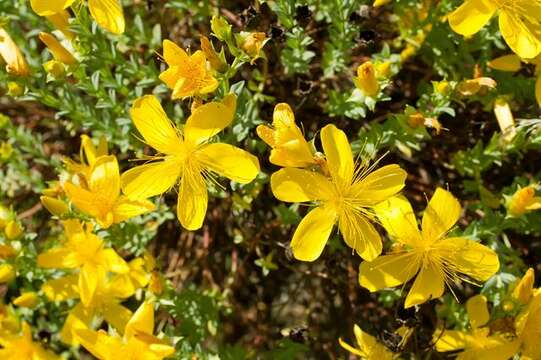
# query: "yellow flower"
{"type": "Point", "coordinates": [188, 75]}
{"type": "Point", "coordinates": [523, 201]}
{"type": "Point", "coordinates": [429, 255]}
{"type": "Point", "coordinates": [15, 62]}
{"type": "Point", "coordinates": [88, 154]}
{"type": "Point", "coordinates": [61, 21]}
{"type": "Point", "coordinates": [366, 79]}
{"type": "Point", "coordinates": [252, 43]}
{"type": "Point", "coordinates": [28, 300]}
{"type": "Point", "coordinates": [110, 292]}
{"type": "Point", "coordinates": [380, 2]}
{"type": "Point", "coordinates": [60, 53]}
{"type": "Point", "coordinates": [22, 347]}
{"type": "Point", "coordinates": [519, 22]}
{"type": "Point", "coordinates": [471, 87]}
{"type": "Point", "coordinates": [289, 148]}
{"type": "Point", "coordinates": [86, 252]}
{"type": "Point", "coordinates": [368, 347]}
{"type": "Point", "coordinates": [107, 13]}
{"type": "Point", "coordinates": [187, 155]}
{"type": "Point", "coordinates": [346, 198]}
{"type": "Point", "coordinates": [478, 342]}
{"type": "Point", "coordinates": [102, 199]}
{"type": "Point", "coordinates": [138, 341]}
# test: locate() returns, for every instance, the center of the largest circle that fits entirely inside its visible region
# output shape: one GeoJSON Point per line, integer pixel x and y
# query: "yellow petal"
{"type": "Point", "coordinates": [84, 200]}
{"type": "Point", "coordinates": [338, 153]}
{"type": "Point", "coordinates": [55, 206]}
{"type": "Point", "coordinates": [397, 217]}
{"type": "Point", "coordinates": [360, 235]}
{"type": "Point", "coordinates": [350, 348]}
{"type": "Point", "coordinates": [152, 122]}
{"type": "Point", "coordinates": [469, 257]}
{"type": "Point", "coordinates": [113, 262]}
{"type": "Point", "coordinates": [88, 283]}
{"type": "Point", "coordinates": [116, 315]}
{"type": "Point", "coordinates": [312, 233]}
{"type": "Point", "coordinates": [477, 309]}
{"type": "Point", "coordinates": [9, 51]}
{"type": "Point", "coordinates": [78, 318]}
{"type": "Point", "coordinates": [388, 271]}
{"type": "Point", "coordinates": [427, 285]}
{"type": "Point", "coordinates": [510, 63]}
{"type": "Point", "coordinates": [141, 321]}
{"type": "Point", "coordinates": [209, 119]}
{"type": "Point", "coordinates": [523, 290]}
{"type": "Point", "coordinates": [49, 7]}
{"type": "Point", "coordinates": [298, 185]}
{"type": "Point", "coordinates": [173, 54]}
{"type": "Point", "coordinates": [150, 179]}
{"type": "Point", "coordinates": [62, 289]}
{"type": "Point", "coordinates": [7, 273]}
{"type": "Point", "coordinates": [105, 178]}
{"type": "Point", "coordinates": [108, 14]}
{"type": "Point", "coordinates": [58, 258]}
{"type": "Point", "coordinates": [98, 343]}
{"type": "Point", "coordinates": [171, 76]}
{"type": "Point", "coordinates": [380, 184]}
{"type": "Point", "coordinates": [521, 39]}
{"type": "Point", "coordinates": [126, 208]}
{"type": "Point", "coordinates": [442, 212]}
{"type": "Point", "coordinates": [450, 340]}
{"type": "Point", "coordinates": [28, 300]}
{"type": "Point", "coordinates": [59, 52]}
{"type": "Point", "coordinates": [471, 16]}
{"type": "Point", "coordinates": [192, 200]}
{"type": "Point", "coordinates": [229, 161]}
{"type": "Point", "coordinates": [266, 134]}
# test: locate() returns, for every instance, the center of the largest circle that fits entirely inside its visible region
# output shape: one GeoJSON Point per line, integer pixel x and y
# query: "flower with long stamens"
{"type": "Point", "coordinates": [289, 148]}
{"type": "Point", "coordinates": [346, 197]}
{"type": "Point", "coordinates": [478, 342]}
{"type": "Point", "coordinates": [84, 251]}
{"type": "Point", "coordinates": [138, 341]}
{"type": "Point", "coordinates": [188, 75]}
{"type": "Point", "coordinates": [368, 346]}
{"type": "Point", "coordinates": [187, 155]}
{"type": "Point", "coordinates": [101, 197]}
{"type": "Point", "coordinates": [428, 255]}
{"type": "Point", "coordinates": [519, 21]}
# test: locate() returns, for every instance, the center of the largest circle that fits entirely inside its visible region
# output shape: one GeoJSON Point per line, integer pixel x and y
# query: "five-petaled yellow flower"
{"type": "Point", "coordinates": [22, 347]}
{"type": "Point", "coordinates": [101, 197]}
{"type": "Point", "coordinates": [187, 155]}
{"type": "Point", "coordinates": [346, 196]}
{"type": "Point", "coordinates": [105, 305]}
{"type": "Point", "coordinates": [289, 148]}
{"type": "Point", "coordinates": [479, 342]}
{"type": "Point", "coordinates": [188, 75]}
{"type": "Point", "coordinates": [519, 20]}
{"type": "Point", "coordinates": [107, 13]}
{"type": "Point", "coordinates": [138, 341]}
{"type": "Point", "coordinates": [428, 255]}
{"type": "Point", "coordinates": [85, 251]}
{"type": "Point", "coordinates": [368, 346]}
